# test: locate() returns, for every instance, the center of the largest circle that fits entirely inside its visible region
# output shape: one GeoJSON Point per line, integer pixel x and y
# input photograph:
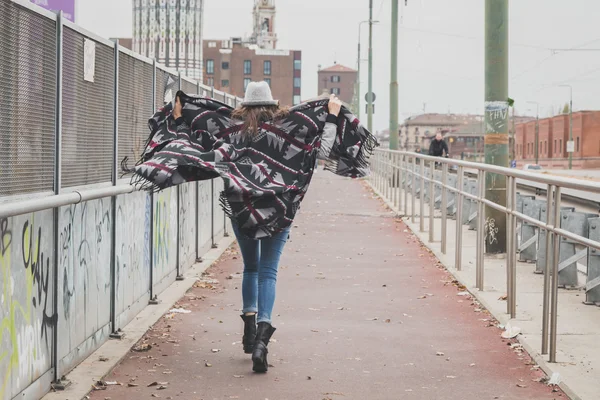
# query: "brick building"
{"type": "Point", "coordinates": [229, 65]}
{"type": "Point", "coordinates": [553, 136]}
{"type": "Point", "coordinates": [338, 80]}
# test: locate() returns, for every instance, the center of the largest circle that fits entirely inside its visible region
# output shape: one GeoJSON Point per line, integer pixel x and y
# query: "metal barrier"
{"type": "Point", "coordinates": [566, 236]}
{"type": "Point", "coordinates": [81, 253]}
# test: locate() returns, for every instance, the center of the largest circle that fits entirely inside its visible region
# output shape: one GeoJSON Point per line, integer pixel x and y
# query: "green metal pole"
{"type": "Point", "coordinates": [394, 79]}
{"type": "Point", "coordinates": [537, 138]}
{"type": "Point", "coordinates": [358, 79]}
{"type": "Point", "coordinates": [571, 129]}
{"type": "Point", "coordinates": [370, 111]}
{"type": "Point", "coordinates": [496, 119]}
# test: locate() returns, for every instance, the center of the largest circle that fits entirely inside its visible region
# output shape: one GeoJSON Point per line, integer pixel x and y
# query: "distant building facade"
{"type": "Point", "coordinates": [552, 137]}
{"type": "Point", "coordinates": [231, 64]}
{"type": "Point", "coordinates": [417, 132]}
{"type": "Point", "coordinates": [170, 31]}
{"type": "Point", "coordinates": [338, 80]}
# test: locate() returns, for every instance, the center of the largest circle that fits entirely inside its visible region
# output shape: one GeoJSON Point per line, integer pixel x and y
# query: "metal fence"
{"type": "Point", "coordinates": [81, 253]}
{"type": "Point", "coordinates": [541, 231]}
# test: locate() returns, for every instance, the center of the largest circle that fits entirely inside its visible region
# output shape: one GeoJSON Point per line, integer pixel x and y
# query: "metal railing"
{"type": "Point", "coordinates": [63, 140]}
{"type": "Point", "coordinates": [399, 175]}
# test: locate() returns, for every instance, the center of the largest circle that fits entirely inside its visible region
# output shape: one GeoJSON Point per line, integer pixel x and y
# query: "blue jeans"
{"type": "Point", "coordinates": [261, 261]}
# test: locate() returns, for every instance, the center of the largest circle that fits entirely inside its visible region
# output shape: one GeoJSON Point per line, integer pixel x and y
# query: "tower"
{"type": "Point", "coordinates": [264, 24]}
{"type": "Point", "coordinates": [171, 32]}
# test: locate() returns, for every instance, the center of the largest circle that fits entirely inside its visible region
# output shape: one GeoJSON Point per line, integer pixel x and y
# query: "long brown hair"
{"type": "Point", "coordinates": [253, 116]}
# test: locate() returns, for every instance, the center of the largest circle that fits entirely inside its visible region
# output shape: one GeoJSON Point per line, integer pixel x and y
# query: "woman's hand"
{"type": "Point", "coordinates": [335, 105]}
{"type": "Point", "coordinates": [178, 108]}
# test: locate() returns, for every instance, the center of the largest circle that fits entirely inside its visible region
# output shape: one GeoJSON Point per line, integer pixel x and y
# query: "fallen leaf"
{"type": "Point", "coordinates": [132, 384]}
{"type": "Point", "coordinates": [503, 297]}
{"type": "Point", "coordinates": [388, 320]}
{"type": "Point", "coordinates": [439, 354]}
{"type": "Point", "coordinates": [142, 347]}
{"type": "Point", "coordinates": [238, 376]}
{"type": "Point", "coordinates": [103, 359]}
{"type": "Point", "coordinates": [450, 376]}
{"type": "Point", "coordinates": [521, 385]}
{"type": "Point", "coordinates": [208, 365]}
{"type": "Point", "coordinates": [216, 350]}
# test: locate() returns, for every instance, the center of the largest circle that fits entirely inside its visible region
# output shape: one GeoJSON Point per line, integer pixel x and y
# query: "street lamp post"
{"type": "Point", "coordinates": [370, 99]}
{"type": "Point", "coordinates": [570, 123]}
{"type": "Point", "coordinates": [537, 130]}
{"type": "Point", "coordinates": [358, 61]}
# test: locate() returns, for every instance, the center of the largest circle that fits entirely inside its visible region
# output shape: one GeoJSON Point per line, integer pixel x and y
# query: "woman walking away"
{"type": "Point", "coordinates": [266, 156]}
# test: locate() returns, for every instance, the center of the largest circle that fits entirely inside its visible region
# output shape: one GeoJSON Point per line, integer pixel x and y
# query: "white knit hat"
{"type": "Point", "coordinates": [259, 94]}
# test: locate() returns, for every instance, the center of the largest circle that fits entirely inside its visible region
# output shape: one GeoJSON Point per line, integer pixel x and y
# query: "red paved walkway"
{"type": "Point", "coordinates": [363, 312]}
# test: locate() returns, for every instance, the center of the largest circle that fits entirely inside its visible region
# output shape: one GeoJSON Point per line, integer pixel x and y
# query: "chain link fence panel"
{"type": "Point", "coordinates": [135, 105]}
{"type": "Point", "coordinates": [88, 112]}
{"type": "Point", "coordinates": [28, 93]}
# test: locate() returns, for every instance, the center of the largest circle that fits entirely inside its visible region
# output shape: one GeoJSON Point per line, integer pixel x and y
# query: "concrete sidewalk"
{"type": "Point", "coordinates": [364, 311]}
{"type": "Point", "coordinates": [578, 353]}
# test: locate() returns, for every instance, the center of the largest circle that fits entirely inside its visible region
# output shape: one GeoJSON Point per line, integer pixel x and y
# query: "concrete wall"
{"type": "Point", "coordinates": [152, 232]}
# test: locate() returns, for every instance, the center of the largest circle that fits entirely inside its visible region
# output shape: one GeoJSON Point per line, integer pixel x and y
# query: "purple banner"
{"type": "Point", "coordinates": [66, 6]}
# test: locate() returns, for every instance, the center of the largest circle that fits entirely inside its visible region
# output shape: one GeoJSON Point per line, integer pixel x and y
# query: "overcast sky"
{"type": "Point", "coordinates": [441, 47]}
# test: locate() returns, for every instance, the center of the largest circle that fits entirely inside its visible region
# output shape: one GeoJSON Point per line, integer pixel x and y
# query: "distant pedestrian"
{"type": "Point", "coordinates": [266, 155]}
{"type": "Point", "coordinates": [438, 147]}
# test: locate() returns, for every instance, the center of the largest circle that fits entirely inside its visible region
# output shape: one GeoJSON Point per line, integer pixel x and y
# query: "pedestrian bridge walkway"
{"type": "Point", "coordinates": [364, 311]}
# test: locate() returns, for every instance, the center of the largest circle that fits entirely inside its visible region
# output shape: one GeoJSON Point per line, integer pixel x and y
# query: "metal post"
{"type": "Point", "coordinates": [197, 200]}
{"type": "Point", "coordinates": [413, 190]}
{"type": "Point", "coordinates": [550, 223]}
{"type": "Point", "coordinates": [179, 273]}
{"type": "Point", "coordinates": [459, 211]}
{"type": "Point", "coordinates": [479, 272]}
{"type": "Point", "coordinates": [396, 163]}
{"type": "Point", "coordinates": [212, 214]}
{"type": "Point", "coordinates": [537, 137]}
{"type": "Point", "coordinates": [554, 287]}
{"type": "Point", "coordinates": [422, 195]}
{"type": "Point", "coordinates": [431, 202]}
{"type": "Point", "coordinates": [115, 334]}
{"type": "Point", "coordinates": [401, 188]}
{"type": "Point", "coordinates": [496, 113]}
{"type": "Point", "coordinates": [394, 79]}
{"type": "Point", "coordinates": [509, 275]}
{"type": "Point", "coordinates": [153, 297]}
{"type": "Point", "coordinates": [571, 127]}
{"type": "Point", "coordinates": [512, 247]}
{"type": "Point", "coordinates": [57, 188]}
{"type": "Point", "coordinates": [513, 153]}
{"type": "Point", "coordinates": [444, 207]}
{"type": "Point", "coordinates": [405, 175]}
{"type": "Point", "coordinates": [358, 76]}
{"type": "Point", "coordinates": [370, 100]}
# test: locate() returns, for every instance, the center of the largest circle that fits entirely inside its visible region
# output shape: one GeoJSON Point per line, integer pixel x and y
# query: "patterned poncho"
{"type": "Point", "coordinates": [266, 175]}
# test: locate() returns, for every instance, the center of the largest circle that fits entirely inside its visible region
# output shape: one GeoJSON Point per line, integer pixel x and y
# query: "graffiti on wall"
{"type": "Point", "coordinates": [84, 269]}
{"type": "Point", "coordinates": [187, 234]}
{"type": "Point", "coordinates": [27, 317]}
{"type": "Point", "coordinates": [132, 253]}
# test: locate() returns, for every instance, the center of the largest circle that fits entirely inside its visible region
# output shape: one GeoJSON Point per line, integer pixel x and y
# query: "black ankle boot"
{"type": "Point", "coordinates": [259, 355]}
{"type": "Point", "coordinates": [249, 333]}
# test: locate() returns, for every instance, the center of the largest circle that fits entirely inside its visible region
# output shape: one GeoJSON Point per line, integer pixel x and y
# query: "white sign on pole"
{"type": "Point", "coordinates": [89, 60]}
{"type": "Point", "coordinates": [570, 146]}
